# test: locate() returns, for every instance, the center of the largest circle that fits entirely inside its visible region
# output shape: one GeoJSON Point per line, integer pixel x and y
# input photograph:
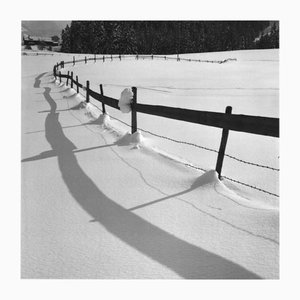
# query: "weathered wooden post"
{"type": "Point", "coordinates": [77, 86]}
{"type": "Point", "coordinates": [152, 56]}
{"type": "Point", "coordinates": [120, 57]}
{"type": "Point", "coordinates": [85, 59]}
{"type": "Point", "coordinates": [71, 80]}
{"type": "Point", "coordinates": [103, 105]}
{"type": "Point", "coordinates": [222, 148]}
{"type": "Point", "coordinates": [103, 58]}
{"type": "Point", "coordinates": [59, 76]}
{"type": "Point", "coordinates": [95, 58]}
{"type": "Point", "coordinates": [111, 58]}
{"type": "Point", "coordinates": [68, 78]}
{"type": "Point", "coordinates": [73, 60]}
{"type": "Point", "coordinates": [133, 111]}
{"type": "Point", "coordinates": [87, 91]}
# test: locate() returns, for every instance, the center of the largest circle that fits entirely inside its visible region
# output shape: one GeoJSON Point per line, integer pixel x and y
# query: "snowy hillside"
{"type": "Point", "coordinates": [100, 203]}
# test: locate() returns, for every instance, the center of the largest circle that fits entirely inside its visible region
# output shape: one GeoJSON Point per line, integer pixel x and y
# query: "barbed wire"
{"type": "Point", "coordinates": [234, 180]}
{"type": "Point", "coordinates": [250, 163]}
{"type": "Point", "coordinates": [250, 186]}
{"type": "Point", "coordinates": [177, 141]}
{"type": "Point", "coordinates": [208, 149]}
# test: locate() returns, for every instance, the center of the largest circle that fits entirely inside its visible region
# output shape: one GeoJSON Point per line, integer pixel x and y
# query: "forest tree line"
{"type": "Point", "coordinates": [166, 37]}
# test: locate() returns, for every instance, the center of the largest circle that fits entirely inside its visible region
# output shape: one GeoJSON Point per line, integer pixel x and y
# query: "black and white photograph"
{"type": "Point", "coordinates": [152, 149]}
{"type": "Point", "coordinates": [149, 151]}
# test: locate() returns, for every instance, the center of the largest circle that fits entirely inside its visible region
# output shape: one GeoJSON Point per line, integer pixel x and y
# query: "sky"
{"type": "Point", "coordinates": [43, 28]}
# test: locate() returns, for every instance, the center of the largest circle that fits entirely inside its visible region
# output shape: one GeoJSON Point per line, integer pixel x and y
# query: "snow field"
{"type": "Point", "coordinates": [94, 205]}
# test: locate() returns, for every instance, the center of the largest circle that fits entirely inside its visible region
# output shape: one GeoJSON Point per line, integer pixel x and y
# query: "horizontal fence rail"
{"type": "Point", "coordinates": [243, 123]}
{"type": "Point", "coordinates": [105, 100]}
{"type": "Point", "coordinates": [226, 121]}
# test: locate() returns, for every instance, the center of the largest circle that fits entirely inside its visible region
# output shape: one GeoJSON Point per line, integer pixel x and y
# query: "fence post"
{"type": "Point", "coordinates": [133, 111]}
{"type": "Point", "coordinates": [87, 91]}
{"type": "Point", "coordinates": [222, 148]}
{"type": "Point", "coordinates": [85, 59]}
{"type": "Point", "coordinates": [77, 86]}
{"type": "Point", "coordinates": [73, 60]}
{"type": "Point", "coordinates": [103, 105]}
{"type": "Point", "coordinates": [94, 57]}
{"type": "Point", "coordinates": [59, 76]}
{"type": "Point", "coordinates": [111, 58]}
{"type": "Point", "coordinates": [103, 58]}
{"type": "Point", "coordinates": [120, 57]}
{"type": "Point", "coordinates": [71, 80]}
{"type": "Point", "coordinates": [68, 78]}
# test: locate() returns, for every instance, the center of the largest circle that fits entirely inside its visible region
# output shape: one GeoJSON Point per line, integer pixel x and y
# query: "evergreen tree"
{"type": "Point", "coordinates": [66, 39]}
{"type": "Point", "coordinates": [166, 37]}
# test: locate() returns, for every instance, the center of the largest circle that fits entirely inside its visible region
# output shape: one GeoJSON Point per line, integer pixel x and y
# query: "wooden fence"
{"type": "Point", "coordinates": [227, 121]}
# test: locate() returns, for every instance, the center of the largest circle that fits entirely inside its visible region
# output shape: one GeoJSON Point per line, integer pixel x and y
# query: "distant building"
{"type": "Point", "coordinates": [36, 40]}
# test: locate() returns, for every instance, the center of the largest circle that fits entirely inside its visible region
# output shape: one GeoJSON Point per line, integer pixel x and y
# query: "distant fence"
{"type": "Point", "coordinates": [227, 121]}
{"type": "Point", "coordinates": [151, 57]}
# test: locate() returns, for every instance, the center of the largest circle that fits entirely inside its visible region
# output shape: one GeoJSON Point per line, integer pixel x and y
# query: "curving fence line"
{"type": "Point", "coordinates": [226, 121]}
{"type": "Point", "coordinates": [139, 56]}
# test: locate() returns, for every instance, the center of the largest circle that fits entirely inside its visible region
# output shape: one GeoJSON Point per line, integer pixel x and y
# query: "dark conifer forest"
{"type": "Point", "coordinates": [167, 37]}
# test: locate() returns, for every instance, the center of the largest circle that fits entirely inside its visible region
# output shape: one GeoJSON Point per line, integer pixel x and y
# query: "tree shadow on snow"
{"type": "Point", "coordinates": [185, 259]}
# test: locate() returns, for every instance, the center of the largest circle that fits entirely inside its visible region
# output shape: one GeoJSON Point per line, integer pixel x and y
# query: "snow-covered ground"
{"type": "Point", "coordinates": [94, 205]}
{"type": "Point", "coordinates": [250, 85]}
